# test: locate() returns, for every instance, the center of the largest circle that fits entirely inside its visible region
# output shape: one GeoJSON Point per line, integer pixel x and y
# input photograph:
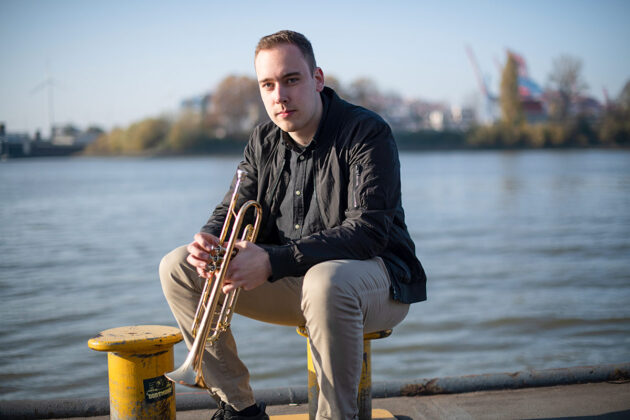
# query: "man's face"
{"type": "Point", "coordinates": [289, 91]}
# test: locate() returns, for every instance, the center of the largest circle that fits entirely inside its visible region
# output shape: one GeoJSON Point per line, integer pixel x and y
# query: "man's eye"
{"type": "Point", "coordinates": [267, 86]}
{"type": "Point", "coordinates": [293, 80]}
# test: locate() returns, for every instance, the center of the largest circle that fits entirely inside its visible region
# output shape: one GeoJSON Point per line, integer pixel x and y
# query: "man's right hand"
{"type": "Point", "coordinates": [199, 251]}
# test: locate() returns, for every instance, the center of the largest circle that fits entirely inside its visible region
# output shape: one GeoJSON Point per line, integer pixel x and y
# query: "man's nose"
{"type": "Point", "coordinates": [280, 94]}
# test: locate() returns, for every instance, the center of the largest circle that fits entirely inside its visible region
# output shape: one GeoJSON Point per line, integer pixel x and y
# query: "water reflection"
{"type": "Point", "coordinates": [527, 257]}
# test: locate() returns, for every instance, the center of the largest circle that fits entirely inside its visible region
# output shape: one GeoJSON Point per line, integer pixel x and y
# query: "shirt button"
{"type": "Point", "coordinates": [297, 226]}
{"type": "Point", "coordinates": [301, 157]}
{"type": "Point", "coordinates": [297, 192]}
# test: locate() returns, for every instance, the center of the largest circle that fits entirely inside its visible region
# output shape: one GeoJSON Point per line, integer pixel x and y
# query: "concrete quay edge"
{"type": "Point", "coordinates": [197, 400]}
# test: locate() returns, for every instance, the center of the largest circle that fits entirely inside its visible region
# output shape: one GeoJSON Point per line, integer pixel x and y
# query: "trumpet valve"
{"type": "Point", "coordinates": [217, 250]}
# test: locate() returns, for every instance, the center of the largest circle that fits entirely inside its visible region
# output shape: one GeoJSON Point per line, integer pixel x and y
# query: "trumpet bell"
{"type": "Point", "coordinates": [186, 375]}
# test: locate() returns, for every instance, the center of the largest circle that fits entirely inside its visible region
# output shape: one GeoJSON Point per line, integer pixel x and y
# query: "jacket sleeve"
{"type": "Point", "coordinates": [372, 199]}
{"type": "Point", "coordinates": [247, 190]}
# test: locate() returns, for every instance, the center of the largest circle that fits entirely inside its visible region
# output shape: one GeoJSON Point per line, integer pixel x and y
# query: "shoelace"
{"type": "Point", "coordinates": [220, 413]}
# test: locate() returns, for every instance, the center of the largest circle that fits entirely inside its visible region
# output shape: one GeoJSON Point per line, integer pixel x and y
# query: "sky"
{"type": "Point", "coordinates": [115, 62]}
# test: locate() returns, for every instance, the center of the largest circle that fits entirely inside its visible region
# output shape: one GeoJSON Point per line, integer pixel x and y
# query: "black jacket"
{"type": "Point", "coordinates": [357, 175]}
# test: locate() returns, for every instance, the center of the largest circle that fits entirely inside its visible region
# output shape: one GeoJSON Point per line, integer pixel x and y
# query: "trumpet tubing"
{"type": "Point", "coordinates": [215, 309]}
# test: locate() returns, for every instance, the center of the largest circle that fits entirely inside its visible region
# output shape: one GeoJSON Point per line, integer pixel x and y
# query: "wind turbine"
{"type": "Point", "coordinates": [48, 83]}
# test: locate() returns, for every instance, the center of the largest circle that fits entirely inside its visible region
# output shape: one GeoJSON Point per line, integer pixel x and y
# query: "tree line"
{"type": "Point", "coordinates": [565, 126]}
{"type": "Point", "coordinates": [222, 121]}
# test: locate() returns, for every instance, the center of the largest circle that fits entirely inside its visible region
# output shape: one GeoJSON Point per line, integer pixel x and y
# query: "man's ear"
{"type": "Point", "coordinates": [318, 74]}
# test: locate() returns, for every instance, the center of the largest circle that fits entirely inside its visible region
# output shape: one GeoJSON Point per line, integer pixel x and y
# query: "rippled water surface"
{"type": "Point", "coordinates": [527, 253]}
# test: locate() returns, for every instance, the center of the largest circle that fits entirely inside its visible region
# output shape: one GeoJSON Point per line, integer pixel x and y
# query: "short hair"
{"type": "Point", "coordinates": [288, 37]}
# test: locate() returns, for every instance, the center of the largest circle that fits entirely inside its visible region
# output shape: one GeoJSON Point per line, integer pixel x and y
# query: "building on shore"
{"type": "Point", "coordinates": [65, 140]}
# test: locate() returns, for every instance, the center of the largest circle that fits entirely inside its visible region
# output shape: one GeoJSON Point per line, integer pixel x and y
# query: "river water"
{"type": "Point", "coordinates": [527, 254]}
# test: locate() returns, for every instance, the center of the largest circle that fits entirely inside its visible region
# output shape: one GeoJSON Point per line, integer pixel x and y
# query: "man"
{"type": "Point", "coordinates": [333, 252]}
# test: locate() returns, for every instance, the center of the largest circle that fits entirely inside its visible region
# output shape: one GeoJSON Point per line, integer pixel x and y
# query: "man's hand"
{"type": "Point", "coordinates": [199, 252]}
{"type": "Point", "coordinates": [248, 269]}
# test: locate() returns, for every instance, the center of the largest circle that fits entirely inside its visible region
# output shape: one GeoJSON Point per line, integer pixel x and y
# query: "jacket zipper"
{"type": "Point", "coordinates": [320, 206]}
{"type": "Point", "coordinates": [357, 182]}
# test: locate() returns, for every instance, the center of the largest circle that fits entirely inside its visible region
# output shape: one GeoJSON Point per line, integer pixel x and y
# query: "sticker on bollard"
{"type": "Point", "coordinates": [156, 389]}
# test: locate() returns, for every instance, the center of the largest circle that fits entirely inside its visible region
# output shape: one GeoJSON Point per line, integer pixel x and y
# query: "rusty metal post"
{"type": "Point", "coordinates": [364, 397]}
{"type": "Point", "coordinates": [138, 356]}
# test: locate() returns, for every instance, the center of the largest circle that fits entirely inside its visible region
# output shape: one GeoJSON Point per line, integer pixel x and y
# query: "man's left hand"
{"type": "Point", "coordinates": [248, 269]}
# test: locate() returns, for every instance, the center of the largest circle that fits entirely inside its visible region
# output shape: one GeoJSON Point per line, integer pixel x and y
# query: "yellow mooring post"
{"type": "Point", "coordinates": [138, 356]}
{"type": "Point", "coordinates": [364, 397]}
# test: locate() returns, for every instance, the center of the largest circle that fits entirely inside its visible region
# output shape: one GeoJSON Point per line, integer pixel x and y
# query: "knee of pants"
{"type": "Point", "coordinates": [326, 288]}
{"type": "Point", "coordinates": [171, 267]}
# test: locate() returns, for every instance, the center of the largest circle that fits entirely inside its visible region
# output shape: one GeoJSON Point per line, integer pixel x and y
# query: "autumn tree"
{"type": "Point", "coordinates": [566, 85]}
{"type": "Point", "coordinates": [185, 133]}
{"type": "Point", "coordinates": [615, 126]}
{"type": "Point", "coordinates": [624, 98]}
{"type": "Point", "coordinates": [146, 135]}
{"type": "Point", "coordinates": [235, 107]}
{"type": "Point", "coordinates": [365, 92]}
{"type": "Point", "coordinates": [509, 99]}
{"type": "Point", "coordinates": [334, 83]}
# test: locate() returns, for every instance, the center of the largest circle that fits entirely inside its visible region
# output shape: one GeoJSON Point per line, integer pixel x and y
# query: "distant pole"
{"type": "Point", "coordinates": [51, 105]}
{"type": "Point", "coordinates": [48, 83]}
{"type": "Point", "coordinates": [2, 134]}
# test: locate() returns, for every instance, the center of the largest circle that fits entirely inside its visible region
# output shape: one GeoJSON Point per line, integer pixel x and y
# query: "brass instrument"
{"type": "Point", "coordinates": [215, 309]}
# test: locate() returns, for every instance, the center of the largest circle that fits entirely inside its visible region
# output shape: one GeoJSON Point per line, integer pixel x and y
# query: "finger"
{"type": "Point", "coordinates": [240, 244]}
{"type": "Point", "coordinates": [195, 250]}
{"type": "Point", "coordinates": [234, 271]}
{"type": "Point", "coordinates": [197, 262]}
{"type": "Point", "coordinates": [227, 288]}
{"type": "Point", "coordinates": [237, 255]}
{"type": "Point", "coordinates": [201, 246]}
{"type": "Point", "coordinates": [205, 271]}
{"type": "Point", "coordinates": [206, 241]}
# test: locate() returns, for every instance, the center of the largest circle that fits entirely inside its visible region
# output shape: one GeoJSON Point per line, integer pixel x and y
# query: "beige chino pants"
{"type": "Point", "coordinates": [338, 301]}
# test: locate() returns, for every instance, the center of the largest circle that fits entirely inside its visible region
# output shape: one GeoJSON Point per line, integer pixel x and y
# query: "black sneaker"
{"type": "Point", "coordinates": [231, 414]}
{"type": "Point", "coordinates": [220, 413]}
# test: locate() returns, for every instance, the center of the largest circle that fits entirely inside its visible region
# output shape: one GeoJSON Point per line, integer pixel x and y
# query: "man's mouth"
{"type": "Point", "coordinates": [285, 113]}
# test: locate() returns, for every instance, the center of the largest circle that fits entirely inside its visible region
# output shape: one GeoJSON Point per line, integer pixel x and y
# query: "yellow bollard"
{"type": "Point", "coordinates": [364, 397]}
{"type": "Point", "coordinates": [138, 356]}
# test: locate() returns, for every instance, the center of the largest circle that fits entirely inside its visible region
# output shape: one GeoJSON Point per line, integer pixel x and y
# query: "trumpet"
{"type": "Point", "coordinates": [215, 309]}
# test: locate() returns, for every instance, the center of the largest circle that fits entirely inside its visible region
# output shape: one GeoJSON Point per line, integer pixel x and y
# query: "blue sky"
{"type": "Point", "coordinates": [115, 62]}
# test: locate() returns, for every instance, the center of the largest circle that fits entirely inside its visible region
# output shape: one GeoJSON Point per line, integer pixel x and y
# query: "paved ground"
{"type": "Point", "coordinates": [601, 401]}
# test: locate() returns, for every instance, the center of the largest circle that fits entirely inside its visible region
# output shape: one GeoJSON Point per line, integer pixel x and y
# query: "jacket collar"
{"type": "Point", "coordinates": [332, 115]}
